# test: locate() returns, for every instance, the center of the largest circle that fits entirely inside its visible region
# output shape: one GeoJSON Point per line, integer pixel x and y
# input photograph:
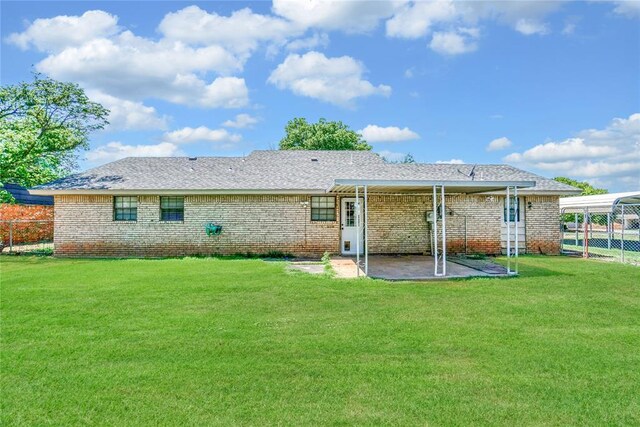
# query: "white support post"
{"type": "Point", "coordinates": [366, 233]}
{"type": "Point", "coordinates": [357, 218]}
{"type": "Point", "coordinates": [435, 233]}
{"type": "Point", "coordinates": [577, 228]}
{"type": "Point", "coordinates": [517, 215]}
{"type": "Point", "coordinates": [585, 233]}
{"type": "Point", "coordinates": [508, 231]}
{"type": "Point", "coordinates": [444, 232]}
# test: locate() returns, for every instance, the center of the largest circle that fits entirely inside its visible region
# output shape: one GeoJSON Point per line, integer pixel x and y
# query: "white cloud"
{"type": "Point", "coordinates": [129, 115]}
{"type": "Point", "coordinates": [421, 18]}
{"type": "Point", "coordinates": [241, 121]}
{"type": "Point", "coordinates": [93, 51]}
{"type": "Point", "coordinates": [347, 16]}
{"type": "Point", "coordinates": [499, 144]}
{"type": "Point", "coordinates": [454, 43]}
{"type": "Point", "coordinates": [529, 27]}
{"type": "Point", "coordinates": [242, 31]}
{"type": "Point", "coordinates": [628, 8]}
{"type": "Point", "coordinates": [200, 134]}
{"type": "Point", "coordinates": [315, 41]}
{"type": "Point", "coordinates": [335, 80]}
{"type": "Point", "coordinates": [54, 34]}
{"type": "Point", "coordinates": [373, 133]}
{"type": "Point", "coordinates": [569, 28]}
{"type": "Point", "coordinates": [416, 19]}
{"type": "Point", "coordinates": [116, 150]}
{"type": "Point", "coordinates": [450, 162]}
{"type": "Point", "coordinates": [602, 154]}
{"type": "Point", "coordinates": [132, 67]}
{"type": "Point", "coordinates": [572, 148]}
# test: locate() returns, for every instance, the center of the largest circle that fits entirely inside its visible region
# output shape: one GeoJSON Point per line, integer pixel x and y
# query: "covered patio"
{"type": "Point", "coordinates": [413, 267]}
{"type": "Point", "coordinates": [422, 267]}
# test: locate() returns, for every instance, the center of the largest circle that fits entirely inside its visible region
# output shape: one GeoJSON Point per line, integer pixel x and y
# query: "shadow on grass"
{"type": "Point", "coordinates": [526, 269]}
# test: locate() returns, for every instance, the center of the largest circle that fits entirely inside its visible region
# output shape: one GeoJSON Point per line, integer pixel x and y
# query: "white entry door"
{"type": "Point", "coordinates": [349, 233]}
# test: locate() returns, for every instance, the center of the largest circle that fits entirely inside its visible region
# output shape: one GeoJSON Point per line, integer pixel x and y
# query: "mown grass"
{"type": "Point", "coordinates": [243, 342]}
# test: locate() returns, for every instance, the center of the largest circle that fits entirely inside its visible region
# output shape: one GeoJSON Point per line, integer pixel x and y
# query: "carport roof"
{"type": "Point", "coordinates": [599, 203]}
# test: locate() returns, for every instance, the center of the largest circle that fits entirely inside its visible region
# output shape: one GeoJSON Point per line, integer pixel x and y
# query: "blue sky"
{"type": "Point", "coordinates": [552, 87]}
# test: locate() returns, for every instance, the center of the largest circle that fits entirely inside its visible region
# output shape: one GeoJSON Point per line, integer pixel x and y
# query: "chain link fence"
{"type": "Point", "coordinates": [614, 236]}
{"type": "Point", "coordinates": [26, 236]}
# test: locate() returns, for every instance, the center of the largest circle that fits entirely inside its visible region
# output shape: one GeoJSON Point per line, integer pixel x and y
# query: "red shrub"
{"type": "Point", "coordinates": [26, 232]}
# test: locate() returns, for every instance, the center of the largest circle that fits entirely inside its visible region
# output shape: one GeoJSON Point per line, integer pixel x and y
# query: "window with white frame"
{"type": "Point", "coordinates": [125, 208]}
{"type": "Point", "coordinates": [323, 208]}
{"type": "Point", "coordinates": [514, 209]}
{"type": "Point", "coordinates": [172, 208]}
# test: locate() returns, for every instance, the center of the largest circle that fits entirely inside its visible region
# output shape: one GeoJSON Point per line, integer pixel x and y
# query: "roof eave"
{"type": "Point", "coordinates": [171, 192]}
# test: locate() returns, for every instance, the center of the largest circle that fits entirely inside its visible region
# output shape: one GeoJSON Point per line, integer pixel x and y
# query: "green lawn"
{"type": "Point", "coordinates": [243, 342]}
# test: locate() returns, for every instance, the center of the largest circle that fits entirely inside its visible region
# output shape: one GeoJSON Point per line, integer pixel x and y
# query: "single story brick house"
{"type": "Point", "coordinates": [302, 203]}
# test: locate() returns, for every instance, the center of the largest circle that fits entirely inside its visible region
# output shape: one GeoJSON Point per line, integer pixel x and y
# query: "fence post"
{"type": "Point", "coordinates": [608, 230]}
{"type": "Point", "coordinates": [10, 236]}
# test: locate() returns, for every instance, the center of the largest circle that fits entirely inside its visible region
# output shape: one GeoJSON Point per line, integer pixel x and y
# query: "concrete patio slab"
{"type": "Point", "coordinates": [402, 267]}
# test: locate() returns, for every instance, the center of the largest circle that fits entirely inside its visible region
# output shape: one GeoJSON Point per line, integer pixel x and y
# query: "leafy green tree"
{"type": "Point", "coordinates": [323, 135]}
{"type": "Point", "coordinates": [43, 124]}
{"type": "Point", "coordinates": [587, 189]}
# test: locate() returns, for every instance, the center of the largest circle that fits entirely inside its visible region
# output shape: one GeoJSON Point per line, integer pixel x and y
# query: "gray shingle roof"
{"type": "Point", "coordinates": [279, 170]}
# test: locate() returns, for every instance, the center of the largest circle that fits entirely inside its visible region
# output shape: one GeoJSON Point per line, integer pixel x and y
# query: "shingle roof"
{"type": "Point", "coordinates": [280, 170]}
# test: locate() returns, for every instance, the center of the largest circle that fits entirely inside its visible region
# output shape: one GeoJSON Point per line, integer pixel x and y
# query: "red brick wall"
{"type": "Point", "coordinates": [26, 232]}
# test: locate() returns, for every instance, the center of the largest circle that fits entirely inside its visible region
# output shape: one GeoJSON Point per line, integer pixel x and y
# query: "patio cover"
{"type": "Point", "coordinates": [422, 186]}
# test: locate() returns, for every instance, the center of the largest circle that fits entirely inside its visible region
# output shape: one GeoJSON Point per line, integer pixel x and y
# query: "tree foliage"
{"type": "Point", "coordinates": [43, 124]}
{"type": "Point", "coordinates": [408, 158]}
{"type": "Point", "coordinates": [323, 135]}
{"type": "Point", "coordinates": [587, 189]}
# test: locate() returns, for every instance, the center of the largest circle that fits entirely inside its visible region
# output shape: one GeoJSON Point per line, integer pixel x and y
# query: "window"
{"type": "Point", "coordinates": [323, 209]}
{"type": "Point", "coordinates": [513, 212]}
{"type": "Point", "coordinates": [349, 214]}
{"type": "Point", "coordinates": [125, 208]}
{"type": "Point", "coordinates": [172, 208]}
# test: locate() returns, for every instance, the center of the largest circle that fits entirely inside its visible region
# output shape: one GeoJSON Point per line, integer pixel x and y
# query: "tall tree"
{"type": "Point", "coordinates": [43, 124]}
{"type": "Point", "coordinates": [587, 189]}
{"type": "Point", "coordinates": [323, 135]}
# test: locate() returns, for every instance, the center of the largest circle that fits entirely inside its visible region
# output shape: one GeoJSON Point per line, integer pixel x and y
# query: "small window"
{"type": "Point", "coordinates": [125, 208]}
{"type": "Point", "coordinates": [323, 209]}
{"type": "Point", "coordinates": [514, 211]}
{"type": "Point", "coordinates": [172, 208]}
